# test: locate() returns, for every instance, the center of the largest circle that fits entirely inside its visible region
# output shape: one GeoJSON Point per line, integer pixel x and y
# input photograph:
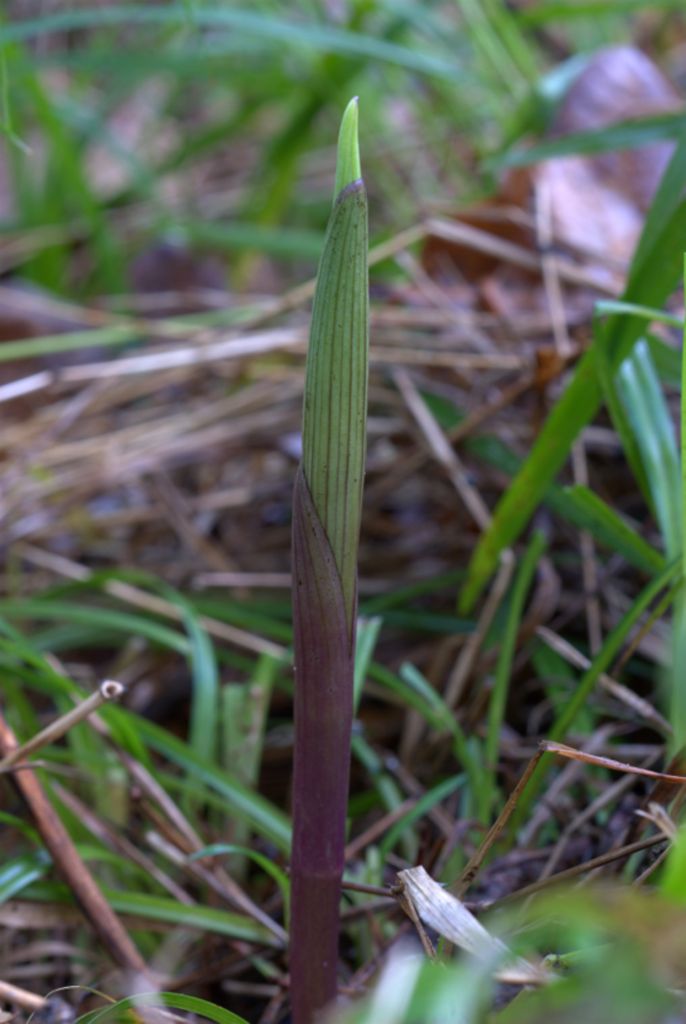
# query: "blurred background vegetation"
{"type": "Point", "coordinates": [211, 126]}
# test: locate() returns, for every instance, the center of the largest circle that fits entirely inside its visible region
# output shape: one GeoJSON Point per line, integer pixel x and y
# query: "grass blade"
{"type": "Point", "coordinates": [649, 417]}
{"type": "Point", "coordinates": [520, 588]}
{"type": "Point", "coordinates": [316, 36]}
{"type": "Point", "coordinates": [589, 512]}
{"type": "Point", "coordinates": [122, 1009]}
{"type": "Point", "coordinates": [654, 272]}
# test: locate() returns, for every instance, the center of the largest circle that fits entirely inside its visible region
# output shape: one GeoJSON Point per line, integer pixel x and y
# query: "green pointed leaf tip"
{"type": "Point", "coordinates": [348, 167]}
{"type": "Point", "coordinates": [335, 404]}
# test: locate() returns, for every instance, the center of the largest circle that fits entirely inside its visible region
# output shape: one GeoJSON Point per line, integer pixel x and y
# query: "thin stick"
{"type": "Point", "coordinates": [107, 691]}
{"type": "Point", "coordinates": [652, 868]}
{"type": "Point", "coordinates": [407, 906]}
{"type": "Point", "coordinates": [484, 241]}
{"type": "Point", "coordinates": [476, 860]}
{"type": "Point", "coordinates": [20, 997]}
{"type": "Point", "coordinates": [415, 460]}
{"type": "Point", "coordinates": [618, 690]}
{"type": "Point", "coordinates": [608, 795]}
{"type": "Point", "coordinates": [580, 869]}
{"type": "Point", "coordinates": [551, 281]}
{"type": "Point", "coordinates": [111, 838]}
{"type": "Point", "coordinates": [571, 753]}
{"type": "Point", "coordinates": [468, 656]}
{"type": "Point", "coordinates": [356, 845]}
{"type": "Point", "coordinates": [564, 347]}
{"type": "Point", "coordinates": [73, 868]}
{"type": "Point", "coordinates": [183, 357]}
{"type": "Point", "coordinates": [441, 450]}
{"type": "Point", "coordinates": [371, 890]}
{"type": "Point", "coordinates": [151, 602]}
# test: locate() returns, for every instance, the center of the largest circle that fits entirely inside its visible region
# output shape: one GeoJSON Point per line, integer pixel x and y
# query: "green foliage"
{"type": "Point", "coordinates": [673, 883]}
{"type": "Point", "coordinates": [335, 401]}
{"type": "Point", "coordinates": [121, 1010]}
{"type": "Point", "coordinates": [262, 862]}
{"type": "Point", "coordinates": [653, 435]}
{"type": "Point", "coordinates": [653, 275]}
{"type": "Point", "coordinates": [20, 872]}
{"type": "Point", "coordinates": [627, 135]}
{"type": "Point", "coordinates": [257, 66]}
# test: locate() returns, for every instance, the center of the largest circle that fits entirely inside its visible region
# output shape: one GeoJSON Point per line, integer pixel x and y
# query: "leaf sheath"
{"type": "Point", "coordinates": [323, 718]}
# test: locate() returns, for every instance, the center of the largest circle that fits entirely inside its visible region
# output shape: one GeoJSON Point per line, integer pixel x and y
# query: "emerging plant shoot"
{"type": "Point", "coordinates": [326, 521]}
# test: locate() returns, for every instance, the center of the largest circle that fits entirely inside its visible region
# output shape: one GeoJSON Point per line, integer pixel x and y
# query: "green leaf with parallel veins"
{"type": "Point", "coordinates": [335, 409]}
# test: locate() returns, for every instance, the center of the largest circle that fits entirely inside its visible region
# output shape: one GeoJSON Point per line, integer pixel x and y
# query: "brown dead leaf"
{"type": "Point", "coordinates": [598, 203]}
{"type": "Point", "coordinates": [595, 205]}
{"type": "Point", "coordinates": [589, 215]}
{"type": "Point", "coordinates": [562, 750]}
{"type": "Point", "coordinates": [620, 83]}
{"type": "Point", "coordinates": [425, 899]}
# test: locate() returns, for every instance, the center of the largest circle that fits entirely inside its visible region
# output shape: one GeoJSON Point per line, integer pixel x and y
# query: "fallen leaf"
{"type": "Point", "coordinates": [447, 915]}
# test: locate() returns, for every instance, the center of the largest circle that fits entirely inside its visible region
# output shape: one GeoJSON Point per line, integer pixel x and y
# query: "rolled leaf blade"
{"type": "Point", "coordinates": [327, 507]}
{"type": "Point", "coordinates": [335, 406]}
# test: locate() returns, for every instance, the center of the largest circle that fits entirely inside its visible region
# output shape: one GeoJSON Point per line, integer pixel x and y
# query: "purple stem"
{"type": "Point", "coordinates": [323, 718]}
